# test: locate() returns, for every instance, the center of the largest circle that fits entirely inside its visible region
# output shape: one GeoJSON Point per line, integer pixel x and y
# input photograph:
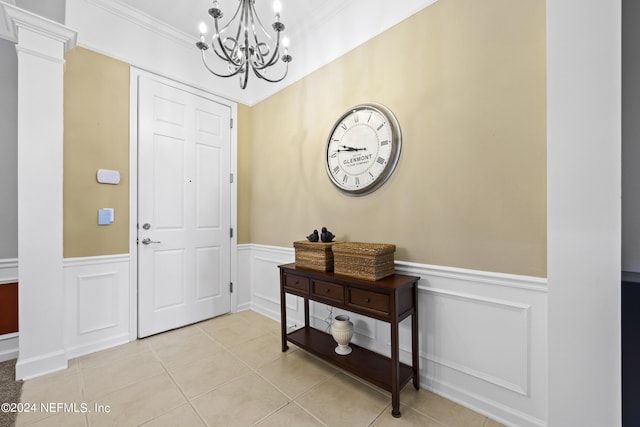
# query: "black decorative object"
{"type": "Point", "coordinates": [313, 237]}
{"type": "Point", "coordinates": [326, 236]}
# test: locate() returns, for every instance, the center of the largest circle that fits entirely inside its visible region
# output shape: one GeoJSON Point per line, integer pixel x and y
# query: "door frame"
{"type": "Point", "coordinates": [135, 74]}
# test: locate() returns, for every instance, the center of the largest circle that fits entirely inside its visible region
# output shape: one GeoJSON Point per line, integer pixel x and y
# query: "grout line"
{"type": "Point", "coordinates": [305, 410]}
{"type": "Point", "coordinates": [82, 391]}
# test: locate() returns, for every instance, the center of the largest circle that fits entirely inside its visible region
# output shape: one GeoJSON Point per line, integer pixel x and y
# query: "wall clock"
{"type": "Point", "coordinates": [363, 149]}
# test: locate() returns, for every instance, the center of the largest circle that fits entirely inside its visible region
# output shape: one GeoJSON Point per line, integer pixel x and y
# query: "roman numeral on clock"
{"type": "Point", "coordinates": [380, 160]}
{"type": "Point", "coordinates": [336, 170]}
{"type": "Point", "coordinates": [345, 179]}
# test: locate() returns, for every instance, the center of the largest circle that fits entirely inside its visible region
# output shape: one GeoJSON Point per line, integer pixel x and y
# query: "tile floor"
{"type": "Point", "coordinates": [228, 371]}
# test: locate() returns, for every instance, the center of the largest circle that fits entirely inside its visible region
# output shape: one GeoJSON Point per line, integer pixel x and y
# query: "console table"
{"type": "Point", "coordinates": [391, 299]}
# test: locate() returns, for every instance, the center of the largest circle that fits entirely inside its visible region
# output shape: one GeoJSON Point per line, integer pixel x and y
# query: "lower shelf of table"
{"type": "Point", "coordinates": [366, 364]}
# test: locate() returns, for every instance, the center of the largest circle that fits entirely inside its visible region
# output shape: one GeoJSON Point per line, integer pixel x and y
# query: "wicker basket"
{"type": "Point", "coordinates": [369, 261]}
{"type": "Point", "coordinates": [314, 255]}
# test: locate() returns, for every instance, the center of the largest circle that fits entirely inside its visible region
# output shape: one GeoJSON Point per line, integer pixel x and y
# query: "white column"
{"type": "Point", "coordinates": [584, 211]}
{"type": "Point", "coordinates": [41, 45]}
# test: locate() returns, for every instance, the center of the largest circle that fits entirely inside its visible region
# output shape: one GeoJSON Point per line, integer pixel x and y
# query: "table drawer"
{"type": "Point", "coordinates": [296, 282]}
{"type": "Point", "coordinates": [328, 290]}
{"type": "Point", "coordinates": [369, 300]}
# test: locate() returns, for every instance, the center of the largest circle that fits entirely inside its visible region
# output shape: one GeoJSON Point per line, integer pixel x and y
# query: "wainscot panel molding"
{"type": "Point", "coordinates": [243, 287]}
{"type": "Point", "coordinates": [97, 303]}
{"type": "Point", "coordinates": [483, 335]}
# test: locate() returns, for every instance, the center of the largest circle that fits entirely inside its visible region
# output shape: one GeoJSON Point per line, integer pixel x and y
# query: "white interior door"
{"type": "Point", "coordinates": [184, 207]}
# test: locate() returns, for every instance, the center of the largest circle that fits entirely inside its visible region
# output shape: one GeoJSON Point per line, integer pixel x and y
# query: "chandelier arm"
{"type": "Point", "coordinates": [204, 61]}
{"type": "Point", "coordinates": [243, 81]}
{"type": "Point", "coordinates": [274, 58]}
{"type": "Point", "coordinates": [235, 15]}
{"type": "Point", "coordinates": [254, 14]}
{"type": "Point", "coordinates": [242, 23]}
{"type": "Point", "coordinates": [257, 54]}
{"type": "Point", "coordinates": [271, 80]}
{"type": "Point", "coordinates": [218, 34]}
{"type": "Point", "coordinates": [225, 55]}
{"type": "Point", "coordinates": [272, 61]}
{"type": "Point", "coordinates": [262, 64]}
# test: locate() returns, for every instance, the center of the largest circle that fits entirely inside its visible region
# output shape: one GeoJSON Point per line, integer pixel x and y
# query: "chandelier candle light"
{"type": "Point", "coordinates": [243, 49]}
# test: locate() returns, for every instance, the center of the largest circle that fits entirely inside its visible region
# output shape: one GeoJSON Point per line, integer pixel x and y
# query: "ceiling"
{"type": "Point", "coordinates": [319, 31]}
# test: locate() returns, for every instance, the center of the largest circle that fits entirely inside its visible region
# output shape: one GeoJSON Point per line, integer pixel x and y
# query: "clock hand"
{"type": "Point", "coordinates": [347, 148]}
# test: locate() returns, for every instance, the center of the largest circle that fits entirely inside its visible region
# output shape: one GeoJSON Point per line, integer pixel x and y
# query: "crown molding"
{"type": "Point", "coordinates": [146, 21]}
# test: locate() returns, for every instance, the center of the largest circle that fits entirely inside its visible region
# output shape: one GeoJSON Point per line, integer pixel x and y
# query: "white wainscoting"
{"type": "Point", "coordinates": [97, 303]}
{"type": "Point", "coordinates": [8, 342]}
{"type": "Point", "coordinates": [483, 336]}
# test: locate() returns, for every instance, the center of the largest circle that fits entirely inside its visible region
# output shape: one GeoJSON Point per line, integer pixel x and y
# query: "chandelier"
{"type": "Point", "coordinates": [241, 48]}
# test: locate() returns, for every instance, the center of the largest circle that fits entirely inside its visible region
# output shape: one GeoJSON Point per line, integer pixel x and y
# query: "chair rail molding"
{"type": "Point", "coordinates": [8, 270]}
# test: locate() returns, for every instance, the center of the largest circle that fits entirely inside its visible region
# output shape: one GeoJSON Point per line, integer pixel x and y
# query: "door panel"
{"type": "Point", "coordinates": [184, 195]}
{"type": "Point", "coordinates": [168, 273]}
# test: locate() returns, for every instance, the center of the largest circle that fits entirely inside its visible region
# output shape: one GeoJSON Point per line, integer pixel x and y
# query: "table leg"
{"type": "Point", "coordinates": [283, 315]}
{"type": "Point", "coordinates": [395, 370]}
{"type": "Point", "coordinates": [306, 312]}
{"type": "Point", "coordinates": [415, 347]}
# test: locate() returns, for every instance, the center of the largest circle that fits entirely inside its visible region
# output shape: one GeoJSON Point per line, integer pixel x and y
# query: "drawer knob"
{"type": "Point", "coordinates": [328, 290]}
{"type": "Point", "coordinates": [367, 300]}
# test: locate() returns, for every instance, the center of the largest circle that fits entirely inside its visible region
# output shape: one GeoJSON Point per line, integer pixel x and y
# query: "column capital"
{"type": "Point", "coordinates": [16, 19]}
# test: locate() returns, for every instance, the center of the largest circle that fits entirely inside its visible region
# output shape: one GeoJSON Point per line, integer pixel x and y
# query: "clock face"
{"type": "Point", "coordinates": [363, 149]}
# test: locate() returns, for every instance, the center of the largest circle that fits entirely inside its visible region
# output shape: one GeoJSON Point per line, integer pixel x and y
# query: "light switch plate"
{"type": "Point", "coordinates": [105, 216]}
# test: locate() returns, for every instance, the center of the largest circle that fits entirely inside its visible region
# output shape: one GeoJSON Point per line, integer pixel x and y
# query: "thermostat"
{"type": "Point", "coordinates": [106, 176]}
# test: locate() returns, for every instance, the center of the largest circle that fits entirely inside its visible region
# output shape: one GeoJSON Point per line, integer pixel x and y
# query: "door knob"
{"type": "Point", "coordinates": [148, 241]}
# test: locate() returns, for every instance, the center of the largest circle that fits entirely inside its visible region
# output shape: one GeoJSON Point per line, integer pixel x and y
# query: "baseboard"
{"type": "Point", "coordinates": [82, 350]}
{"type": "Point", "coordinates": [41, 365]}
{"type": "Point", "coordinates": [478, 403]}
{"type": "Point", "coordinates": [244, 306]}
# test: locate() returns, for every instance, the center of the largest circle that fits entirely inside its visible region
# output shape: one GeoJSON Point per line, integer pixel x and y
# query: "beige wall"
{"type": "Point", "coordinates": [96, 136]}
{"type": "Point", "coordinates": [466, 80]}
{"type": "Point", "coordinates": [245, 138]}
